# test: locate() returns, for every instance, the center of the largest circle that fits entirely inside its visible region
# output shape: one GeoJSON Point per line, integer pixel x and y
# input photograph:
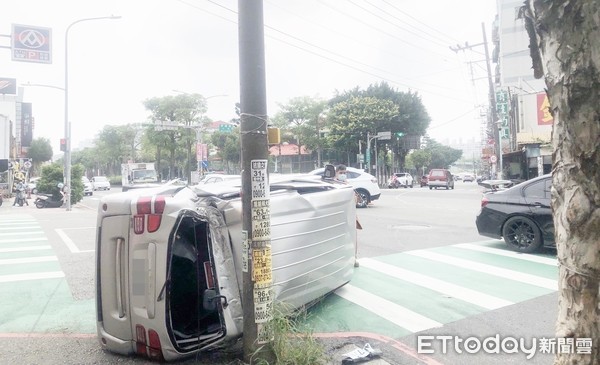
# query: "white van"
{"type": "Point", "coordinates": [169, 261]}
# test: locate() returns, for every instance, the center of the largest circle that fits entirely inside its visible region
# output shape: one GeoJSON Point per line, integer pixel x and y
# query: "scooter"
{"type": "Point", "coordinates": [47, 201]}
{"type": "Point", "coordinates": [20, 197]}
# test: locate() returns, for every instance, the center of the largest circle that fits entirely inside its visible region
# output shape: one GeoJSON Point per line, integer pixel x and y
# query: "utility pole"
{"type": "Point", "coordinates": [257, 273]}
{"type": "Point", "coordinates": [495, 119]}
{"type": "Point", "coordinates": [492, 95]}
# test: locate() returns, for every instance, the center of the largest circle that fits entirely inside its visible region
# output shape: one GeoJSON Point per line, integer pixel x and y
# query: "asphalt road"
{"type": "Point", "coordinates": [405, 229]}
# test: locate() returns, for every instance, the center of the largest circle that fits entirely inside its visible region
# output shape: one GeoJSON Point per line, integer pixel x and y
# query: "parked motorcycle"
{"type": "Point", "coordinates": [47, 201]}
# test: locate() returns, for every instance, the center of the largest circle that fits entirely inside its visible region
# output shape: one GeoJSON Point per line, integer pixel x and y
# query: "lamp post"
{"type": "Point", "coordinates": [67, 124]}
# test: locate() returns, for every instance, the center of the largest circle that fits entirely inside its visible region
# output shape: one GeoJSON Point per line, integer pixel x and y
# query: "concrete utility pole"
{"type": "Point", "coordinates": [495, 119]}
{"type": "Point", "coordinates": [257, 295]}
{"type": "Point", "coordinates": [492, 94]}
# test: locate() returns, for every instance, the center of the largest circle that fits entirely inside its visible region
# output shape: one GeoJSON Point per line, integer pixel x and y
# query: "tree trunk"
{"type": "Point", "coordinates": [565, 45]}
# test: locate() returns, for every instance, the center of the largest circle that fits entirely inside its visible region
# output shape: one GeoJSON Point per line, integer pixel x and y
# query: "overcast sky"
{"type": "Point", "coordinates": [312, 47]}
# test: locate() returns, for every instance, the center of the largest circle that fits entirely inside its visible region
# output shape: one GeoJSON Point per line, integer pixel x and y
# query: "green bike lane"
{"type": "Point", "coordinates": [36, 298]}
{"type": "Point", "coordinates": [393, 295]}
{"type": "Point", "coordinates": [413, 291]}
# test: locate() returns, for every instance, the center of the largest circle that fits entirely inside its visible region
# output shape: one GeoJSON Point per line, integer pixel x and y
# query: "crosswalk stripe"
{"type": "Point", "coordinates": [28, 233]}
{"type": "Point", "coordinates": [394, 313]}
{"type": "Point", "coordinates": [13, 240]}
{"type": "Point", "coordinates": [517, 255]}
{"type": "Point", "coordinates": [12, 227]}
{"type": "Point", "coordinates": [26, 248]}
{"type": "Point", "coordinates": [31, 276]}
{"type": "Point", "coordinates": [488, 269]}
{"type": "Point", "coordinates": [28, 260]}
{"type": "Point", "coordinates": [468, 295]}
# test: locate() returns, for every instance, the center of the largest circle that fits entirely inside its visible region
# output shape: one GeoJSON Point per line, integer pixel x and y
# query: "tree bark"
{"type": "Point", "coordinates": [565, 46]}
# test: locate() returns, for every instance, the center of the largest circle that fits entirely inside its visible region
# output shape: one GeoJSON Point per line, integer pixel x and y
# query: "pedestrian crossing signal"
{"type": "Point", "coordinates": [63, 144]}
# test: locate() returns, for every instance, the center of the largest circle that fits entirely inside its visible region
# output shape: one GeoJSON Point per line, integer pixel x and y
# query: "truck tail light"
{"type": "Point", "coordinates": [149, 213]}
{"type": "Point", "coordinates": [140, 340]}
{"type": "Point", "coordinates": [154, 352]}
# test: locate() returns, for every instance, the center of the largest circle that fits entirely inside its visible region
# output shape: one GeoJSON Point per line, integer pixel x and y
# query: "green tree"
{"type": "Point", "coordinates": [409, 117]}
{"type": "Point", "coordinates": [114, 145]}
{"type": "Point", "coordinates": [76, 183]}
{"type": "Point", "coordinates": [441, 156]}
{"type": "Point", "coordinates": [349, 121]}
{"type": "Point", "coordinates": [420, 159]}
{"type": "Point", "coordinates": [40, 151]}
{"type": "Point", "coordinates": [187, 112]}
{"type": "Point", "coordinates": [229, 147]}
{"type": "Point", "coordinates": [52, 175]}
{"type": "Point", "coordinates": [302, 118]}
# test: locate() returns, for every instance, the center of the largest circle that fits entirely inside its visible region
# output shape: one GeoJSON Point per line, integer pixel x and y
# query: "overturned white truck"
{"type": "Point", "coordinates": [165, 254]}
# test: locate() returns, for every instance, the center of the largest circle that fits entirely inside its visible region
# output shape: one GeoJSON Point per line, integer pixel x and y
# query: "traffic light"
{"type": "Point", "coordinates": [63, 144]}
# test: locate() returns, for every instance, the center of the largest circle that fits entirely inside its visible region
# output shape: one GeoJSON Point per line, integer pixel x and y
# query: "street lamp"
{"type": "Point", "coordinates": [67, 125]}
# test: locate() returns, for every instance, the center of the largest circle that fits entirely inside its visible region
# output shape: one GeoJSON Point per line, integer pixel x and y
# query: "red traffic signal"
{"type": "Point", "coordinates": [63, 144]}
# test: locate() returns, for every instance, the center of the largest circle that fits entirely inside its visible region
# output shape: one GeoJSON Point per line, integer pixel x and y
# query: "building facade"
{"type": "Point", "coordinates": [522, 109]}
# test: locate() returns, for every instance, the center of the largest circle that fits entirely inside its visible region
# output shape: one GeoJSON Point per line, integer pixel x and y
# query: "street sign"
{"type": "Point", "coordinates": [384, 135]}
{"type": "Point", "coordinates": [493, 159]}
{"type": "Point", "coordinates": [31, 44]}
{"type": "Point", "coordinates": [226, 128]}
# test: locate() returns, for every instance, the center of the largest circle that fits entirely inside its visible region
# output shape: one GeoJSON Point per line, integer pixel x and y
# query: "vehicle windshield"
{"type": "Point", "coordinates": [100, 179]}
{"type": "Point", "coordinates": [144, 175]}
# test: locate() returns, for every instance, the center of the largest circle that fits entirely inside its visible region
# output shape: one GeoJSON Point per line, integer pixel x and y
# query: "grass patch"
{"type": "Point", "coordinates": [293, 342]}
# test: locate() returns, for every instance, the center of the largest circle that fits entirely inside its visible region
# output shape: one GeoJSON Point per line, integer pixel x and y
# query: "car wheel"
{"type": "Point", "coordinates": [412, 184]}
{"type": "Point", "coordinates": [363, 200]}
{"type": "Point", "coordinates": [430, 188]}
{"type": "Point", "coordinates": [522, 234]}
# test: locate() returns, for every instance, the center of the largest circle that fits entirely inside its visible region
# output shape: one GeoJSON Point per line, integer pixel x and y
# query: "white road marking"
{"type": "Point", "coordinates": [13, 227]}
{"type": "Point", "coordinates": [390, 311]}
{"type": "Point", "coordinates": [69, 243]}
{"type": "Point", "coordinates": [487, 269]}
{"type": "Point", "coordinates": [14, 240]}
{"type": "Point", "coordinates": [31, 276]}
{"type": "Point", "coordinates": [27, 248]}
{"type": "Point", "coordinates": [455, 291]}
{"type": "Point", "coordinates": [517, 255]}
{"type": "Point", "coordinates": [28, 260]}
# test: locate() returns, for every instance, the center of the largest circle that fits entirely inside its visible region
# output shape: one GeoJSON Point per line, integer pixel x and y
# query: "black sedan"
{"type": "Point", "coordinates": [521, 214]}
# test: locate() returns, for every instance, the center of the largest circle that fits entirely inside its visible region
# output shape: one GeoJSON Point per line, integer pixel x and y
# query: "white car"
{"type": "Point", "coordinates": [100, 183]}
{"type": "Point", "coordinates": [88, 189]}
{"type": "Point", "coordinates": [400, 179]}
{"type": "Point", "coordinates": [363, 183]}
{"type": "Point", "coordinates": [216, 178]}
